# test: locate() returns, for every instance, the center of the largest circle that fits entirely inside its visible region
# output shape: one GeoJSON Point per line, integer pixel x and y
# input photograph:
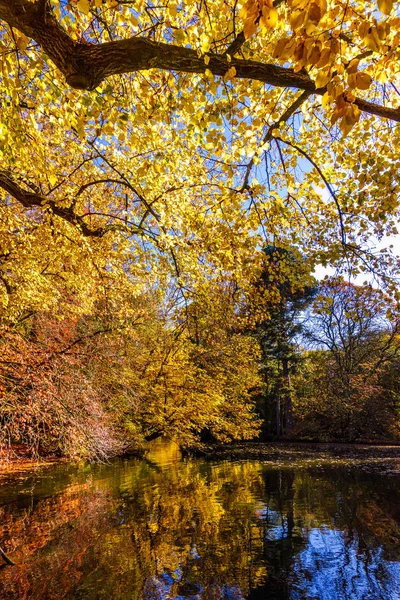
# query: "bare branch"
{"type": "Point", "coordinates": [326, 182]}
{"type": "Point", "coordinates": [268, 136]}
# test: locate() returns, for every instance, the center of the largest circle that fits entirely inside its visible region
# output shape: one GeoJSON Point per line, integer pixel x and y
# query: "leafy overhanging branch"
{"type": "Point", "coordinates": [85, 66]}
{"type": "Point", "coordinates": [30, 199]}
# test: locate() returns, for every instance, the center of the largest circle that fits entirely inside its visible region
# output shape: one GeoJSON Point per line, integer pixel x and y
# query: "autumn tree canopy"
{"type": "Point", "coordinates": [185, 135]}
{"type": "Point", "coordinates": [153, 151]}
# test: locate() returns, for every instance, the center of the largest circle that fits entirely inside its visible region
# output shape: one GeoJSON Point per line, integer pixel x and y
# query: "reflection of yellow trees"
{"type": "Point", "coordinates": [51, 542]}
{"type": "Point", "coordinates": [150, 521]}
{"type": "Point", "coordinates": [112, 531]}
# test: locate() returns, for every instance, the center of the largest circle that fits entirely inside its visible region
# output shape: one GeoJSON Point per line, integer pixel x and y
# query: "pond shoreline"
{"type": "Point", "coordinates": [284, 450]}
{"type": "Point", "coordinates": [13, 462]}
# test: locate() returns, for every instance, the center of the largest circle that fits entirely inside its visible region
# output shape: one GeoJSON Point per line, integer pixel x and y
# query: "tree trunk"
{"type": "Point", "coordinates": [278, 415]}
{"type": "Point", "coordinates": [287, 396]}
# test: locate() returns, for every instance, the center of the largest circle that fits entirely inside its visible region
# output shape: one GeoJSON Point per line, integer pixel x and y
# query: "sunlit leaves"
{"type": "Point", "coordinates": [385, 6]}
{"type": "Point", "coordinates": [258, 12]}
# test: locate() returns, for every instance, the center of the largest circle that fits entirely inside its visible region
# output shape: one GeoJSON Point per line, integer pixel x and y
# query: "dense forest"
{"type": "Point", "coordinates": [171, 176]}
{"type": "Point", "coordinates": [321, 363]}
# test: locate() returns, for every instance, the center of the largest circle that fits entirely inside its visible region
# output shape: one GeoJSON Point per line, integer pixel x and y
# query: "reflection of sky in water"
{"type": "Point", "coordinates": [334, 567]}
{"type": "Point", "coordinates": [170, 529]}
{"type": "Point", "coordinates": [161, 587]}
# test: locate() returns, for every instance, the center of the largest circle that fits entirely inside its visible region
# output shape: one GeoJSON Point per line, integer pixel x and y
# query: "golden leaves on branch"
{"type": "Point", "coordinates": [357, 79]}
{"type": "Point", "coordinates": [347, 112]}
{"type": "Point", "coordinates": [256, 12]}
{"type": "Point", "coordinates": [327, 51]}
{"type": "Point", "coordinates": [84, 6]}
{"type": "Point", "coordinates": [306, 14]}
{"type": "Point", "coordinates": [374, 34]}
{"type": "Point", "coordinates": [309, 52]}
{"type": "Point", "coordinates": [361, 81]}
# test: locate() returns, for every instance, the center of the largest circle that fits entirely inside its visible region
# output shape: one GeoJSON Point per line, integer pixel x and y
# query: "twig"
{"type": "Point", "coordinates": [6, 558]}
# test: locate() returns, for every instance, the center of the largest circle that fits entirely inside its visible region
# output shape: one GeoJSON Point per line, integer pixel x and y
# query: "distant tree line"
{"type": "Point", "coordinates": [290, 359]}
{"type": "Point", "coordinates": [330, 360]}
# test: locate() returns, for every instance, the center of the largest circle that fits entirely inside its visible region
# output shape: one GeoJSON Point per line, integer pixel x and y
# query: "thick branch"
{"type": "Point", "coordinates": [31, 200]}
{"type": "Point", "coordinates": [85, 66]}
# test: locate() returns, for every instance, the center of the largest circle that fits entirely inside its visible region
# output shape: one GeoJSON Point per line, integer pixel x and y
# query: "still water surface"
{"type": "Point", "coordinates": [166, 528]}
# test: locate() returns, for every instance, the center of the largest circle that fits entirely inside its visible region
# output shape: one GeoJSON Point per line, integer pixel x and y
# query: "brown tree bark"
{"type": "Point", "coordinates": [85, 66]}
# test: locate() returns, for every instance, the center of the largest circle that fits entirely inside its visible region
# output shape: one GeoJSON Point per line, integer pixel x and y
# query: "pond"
{"type": "Point", "coordinates": [171, 528]}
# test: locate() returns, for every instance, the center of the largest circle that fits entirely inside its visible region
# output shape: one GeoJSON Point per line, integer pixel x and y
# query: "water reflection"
{"type": "Point", "coordinates": [165, 528]}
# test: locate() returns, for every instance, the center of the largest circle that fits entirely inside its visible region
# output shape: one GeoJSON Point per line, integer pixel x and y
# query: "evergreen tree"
{"type": "Point", "coordinates": [288, 289]}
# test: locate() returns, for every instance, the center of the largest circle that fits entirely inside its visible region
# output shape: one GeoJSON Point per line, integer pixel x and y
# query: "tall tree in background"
{"type": "Point", "coordinates": [286, 289]}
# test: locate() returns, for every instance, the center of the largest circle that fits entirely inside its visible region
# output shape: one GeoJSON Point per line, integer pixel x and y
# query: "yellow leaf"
{"type": "Point", "coordinates": [83, 6]}
{"type": "Point", "coordinates": [298, 4]}
{"type": "Point", "coordinates": [322, 79]}
{"type": "Point", "coordinates": [383, 30]}
{"type": "Point", "coordinates": [353, 65]}
{"type": "Point", "coordinates": [205, 44]}
{"type": "Point", "coordinates": [314, 55]}
{"type": "Point", "coordinates": [297, 19]}
{"type": "Point", "coordinates": [371, 40]}
{"type": "Point", "coordinates": [231, 73]}
{"type": "Point", "coordinates": [385, 6]}
{"type": "Point", "coordinates": [326, 100]}
{"type": "Point", "coordinates": [284, 48]}
{"type": "Point", "coordinates": [363, 81]}
{"type": "Point", "coordinates": [314, 12]}
{"type": "Point", "coordinates": [250, 27]}
{"type": "Point", "coordinates": [324, 58]}
{"type": "Point", "coordinates": [350, 118]}
{"type": "Point", "coordinates": [269, 18]}
{"type": "Point", "coordinates": [172, 9]}
{"type": "Point", "coordinates": [352, 80]}
{"type": "Point", "coordinates": [22, 42]}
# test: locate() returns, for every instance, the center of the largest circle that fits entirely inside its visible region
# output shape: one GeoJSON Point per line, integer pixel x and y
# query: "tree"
{"type": "Point", "coordinates": [216, 91]}
{"type": "Point", "coordinates": [286, 288]}
{"type": "Point", "coordinates": [148, 147]}
{"type": "Point", "coordinates": [358, 329]}
{"type": "Point", "coordinates": [348, 320]}
{"type": "Point", "coordinates": [85, 66]}
{"type": "Point", "coordinates": [96, 384]}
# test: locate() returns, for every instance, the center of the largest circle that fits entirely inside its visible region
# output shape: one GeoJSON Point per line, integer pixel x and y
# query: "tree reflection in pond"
{"type": "Point", "coordinates": [197, 530]}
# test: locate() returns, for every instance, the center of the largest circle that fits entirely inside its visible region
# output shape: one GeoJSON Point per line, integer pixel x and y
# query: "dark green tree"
{"type": "Point", "coordinates": [287, 288]}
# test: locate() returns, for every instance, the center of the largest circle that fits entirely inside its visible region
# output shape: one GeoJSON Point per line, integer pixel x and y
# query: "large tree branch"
{"type": "Point", "coordinates": [85, 66]}
{"type": "Point", "coordinates": [30, 199]}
